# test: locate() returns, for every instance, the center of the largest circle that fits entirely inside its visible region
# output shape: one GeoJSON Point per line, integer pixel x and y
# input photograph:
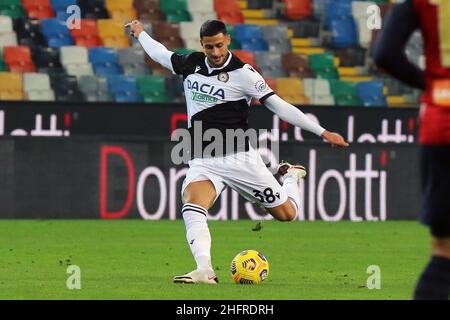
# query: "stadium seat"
{"type": "Point", "coordinates": [359, 12]}
{"type": "Point", "coordinates": [132, 61]}
{"type": "Point", "coordinates": [277, 38]}
{"type": "Point", "coordinates": [8, 36]}
{"type": "Point", "coordinates": [153, 89]}
{"type": "Point", "coordinates": [123, 89]}
{"type": "Point", "coordinates": [296, 65]}
{"type": "Point", "coordinates": [3, 66]}
{"type": "Point", "coordinates": [6, 24]}
{"type": "Point", "coordinates": [47, 60]}
{"type": "Point", "coordinates": [95, 88]}
{"type": "Point", "coordinates": [12, 8]}
{"type": "Point", "coordinates": [11, 86]}
{"type": "Point", "coordinates": [87, 34]}
{"type": "Point", "coordinates": [121, 10]}
{"type": "Point", "coordinates": [112, 33]}
{"type": "Point", "coordinates": [18, 59]}
{"type": "Point", "coordinates": [104, 61]}
{"type": "Point", "coordinates": [297, 9]}
{"type": "Point", "coordinates": [36, 87]}
{"type": "Point", "coordinates": [148, 10]}
{"type": "Point", "coordinates": [66, 88]}
{"type": "Point", "coordinates": [250, 37]}
{"type": "Point", "coordinates": [343, 33]}
{"type": "Point", "coordinates": [291, 90]}
{"type": "Point", "coordinates": [60, 8]}
{"type": "Point", "coordinates": [174, 93]}
{"type": "Point", "coordinates": [8, 40]}
{"type": "Point", "coordinates": [345, 93]}
{"type": "Point", "coordinates": [56, 33]}
{"type": "Point", "coordinates": [175, 11]}
{"type": "Point", "coordinates": [75, 61]}
{"type": "Point", "coordinates": [201, 10]}
{"type": "Point", "coordinates": [234, 45]}
{"type": "Point", "coordinates": [336, 10]}
{"type": "Point", "coordinates": [38, 9]}
{"type": "Point", "coordinates": [351, 57]}
{"type": "Point", "coordinates": [229, 11]}
{"type": "Point", "coordinates": [190, 33]}
{"type": "Point", "coordinates": [270, 65]}
{"type": "Point", "coordinates": [246, 57]}
{"type": "Point", "coordinates": [93, 9]}
{"type": "Point", "coordinates": [306, 28]}
{"type": "Point", "coordinates": [29, 33]}
{"type": "Point", "coordinates": [371, 93]}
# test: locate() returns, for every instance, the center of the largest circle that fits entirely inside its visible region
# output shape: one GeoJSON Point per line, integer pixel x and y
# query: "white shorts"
{"type": "Point", "coordinates": [244, 172]}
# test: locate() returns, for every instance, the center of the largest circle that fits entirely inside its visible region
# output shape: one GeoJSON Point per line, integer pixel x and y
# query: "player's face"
{"type": "Point", "coordinates": [216, 49]}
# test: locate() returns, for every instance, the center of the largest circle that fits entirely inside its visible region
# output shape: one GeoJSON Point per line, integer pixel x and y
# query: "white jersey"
{"type": "Point", "coordinates": [219, 97]}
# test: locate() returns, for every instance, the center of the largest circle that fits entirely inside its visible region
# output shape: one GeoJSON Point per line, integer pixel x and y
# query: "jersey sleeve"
{"type": "Point", "coordinates": [179, 62]}
{"type": "Point", "coordinates": [254, 85]}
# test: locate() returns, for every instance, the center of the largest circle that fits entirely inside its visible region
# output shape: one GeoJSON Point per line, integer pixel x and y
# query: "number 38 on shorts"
{"type": "Point", "coordinates": [266, 195]}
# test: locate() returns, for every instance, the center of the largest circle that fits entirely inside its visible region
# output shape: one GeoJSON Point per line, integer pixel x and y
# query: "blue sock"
{"type": "Point", "coordinates": [434, 283]}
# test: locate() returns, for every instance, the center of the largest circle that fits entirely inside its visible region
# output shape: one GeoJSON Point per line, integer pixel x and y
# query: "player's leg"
{"type": "Point", "coordinates": [198, 197]}
{"type": "Point", "coordinates": [434, 282]}
{"type": "Point", "coordinates": [290, 175]}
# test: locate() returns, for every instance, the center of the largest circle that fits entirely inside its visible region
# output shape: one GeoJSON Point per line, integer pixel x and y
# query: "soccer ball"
{"type": "Point", "coordinates": [249, 267]}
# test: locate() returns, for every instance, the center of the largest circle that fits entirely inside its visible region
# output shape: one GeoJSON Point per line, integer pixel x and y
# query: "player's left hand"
{"type": "Point", "coordinates": [335, 139]}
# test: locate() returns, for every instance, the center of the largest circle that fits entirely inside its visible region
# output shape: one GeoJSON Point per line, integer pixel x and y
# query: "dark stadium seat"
{"type": "Point", "coordinates": [260, 4]}
{"type": "Point", "coordinates": [93, 9]}
{"type": "Point", "coordinates": [66, 88]}
{"type": "Point", "coordinates": [351, 57]}
{"type": "Point", "coordinates": [47, 60]}
{"type": "Point", "coordinates": [307, 28]}
{"type": "Point", "coordinates": [29, 32]}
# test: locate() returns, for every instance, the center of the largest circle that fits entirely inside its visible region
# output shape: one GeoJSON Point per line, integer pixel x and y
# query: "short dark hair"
{"type": "Point", "coordinates": [211, 28]}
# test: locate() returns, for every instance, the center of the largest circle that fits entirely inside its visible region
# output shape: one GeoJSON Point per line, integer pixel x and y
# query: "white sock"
{"type": "Point", "coordinates": [197, 235]}
{"type": "Point", "coordinates": [290, 186]}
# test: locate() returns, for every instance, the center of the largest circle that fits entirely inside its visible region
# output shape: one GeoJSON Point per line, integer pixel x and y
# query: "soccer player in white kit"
{"type": "Point", "coordinates": [218, 89]}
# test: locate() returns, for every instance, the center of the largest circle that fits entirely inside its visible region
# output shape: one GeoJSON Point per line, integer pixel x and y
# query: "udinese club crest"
{"type": "Point", "coordinates": [223, 76]}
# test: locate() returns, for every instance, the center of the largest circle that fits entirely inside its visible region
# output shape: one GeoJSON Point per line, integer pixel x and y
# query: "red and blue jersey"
{"type": "Point", "coordinates": [432, 17]}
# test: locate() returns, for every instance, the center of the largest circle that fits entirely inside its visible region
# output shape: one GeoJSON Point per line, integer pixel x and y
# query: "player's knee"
{"type": "Point", "coordinates": [288, 215]}
{"type": "Point", "coordinates": [441, 247]}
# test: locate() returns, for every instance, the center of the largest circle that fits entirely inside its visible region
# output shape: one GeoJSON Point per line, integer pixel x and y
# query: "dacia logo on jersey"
{"type": "Point", "coordinates": [205, 92]}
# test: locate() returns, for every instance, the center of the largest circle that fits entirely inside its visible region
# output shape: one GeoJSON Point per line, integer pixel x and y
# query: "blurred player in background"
{"type": "Point", "coordinates": [432, 17]}
{"type": "Point", "coordinates": [218, 89]}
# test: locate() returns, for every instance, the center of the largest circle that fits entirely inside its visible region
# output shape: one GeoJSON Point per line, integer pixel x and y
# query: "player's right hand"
{"type": "Point", "coordinates": [335, 139]}
{"type": "Point", "coordinates": [136, 27]}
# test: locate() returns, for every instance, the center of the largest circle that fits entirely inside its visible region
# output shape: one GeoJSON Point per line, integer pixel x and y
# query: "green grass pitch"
{"type": "Point", "coordinates": [136, 259]}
